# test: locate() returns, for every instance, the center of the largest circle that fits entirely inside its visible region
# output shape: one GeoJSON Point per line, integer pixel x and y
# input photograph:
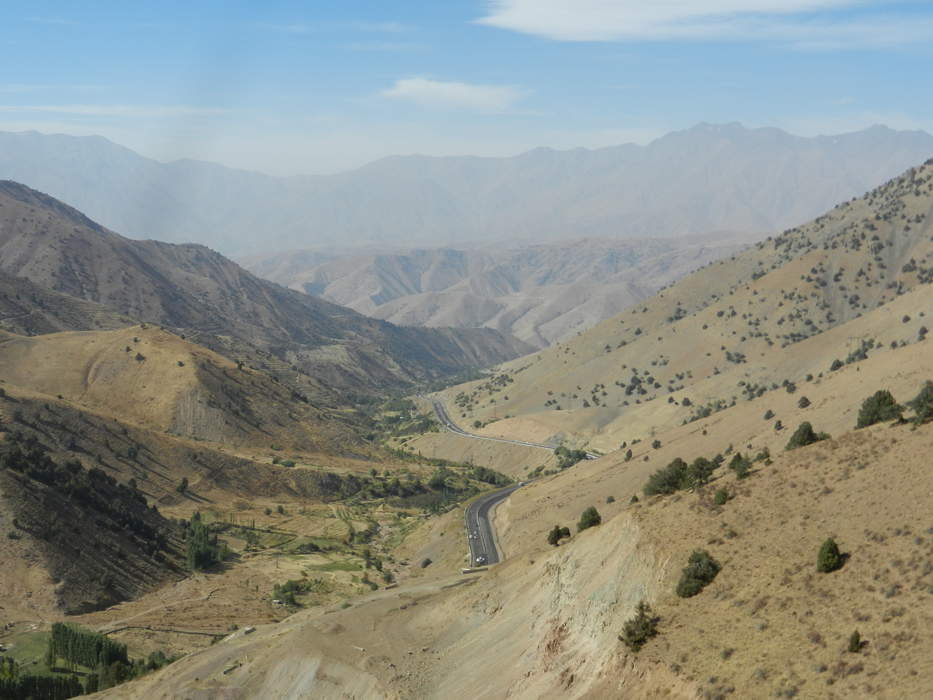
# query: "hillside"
{"type": "Point", "coordinates": [28, 309]}
{"type": "Point", "coordinates": [707, 178]}
{"type": "Point", "coordinates": [538, 293]}
{"type": "Point", "coordinates": [546, 622]}
{"type": "Point", "coordinates": [202, 294]}
{"type": "Point", "coordinates": [152, 378]}
{"type": "Point", "coordinates": [95, 540]}
{"type": "Point", "coordinates": [852, 283]}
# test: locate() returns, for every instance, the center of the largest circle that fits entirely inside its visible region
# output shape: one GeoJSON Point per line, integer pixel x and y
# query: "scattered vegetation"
{"type": "Point", "coordinates": [922, 404]}
{"type": "Point", "coordinates": [678, 475]}
{"type": "Point", "coordinates": [877, 408]}
{"type": "Point", "coordinates": [202, 550]}
{"type": "Point", "coordinates": [640, 628]}
{"type": "Point", "coordinates": [567, 458]}
{"type": "Point", "coordinates": [701, 569]}
{"type": "Point", "coordinates": [829, 558]}
{"type": "Point", "coordinates": [589, 518]}
{"type": "Point", "coordinates": [558, 533]}
{"type": "Point", "coordinates": [805, 435]}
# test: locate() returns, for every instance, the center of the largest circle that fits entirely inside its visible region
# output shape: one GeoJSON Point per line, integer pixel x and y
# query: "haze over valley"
{"type": "Point", "coordinates": [492, 349]}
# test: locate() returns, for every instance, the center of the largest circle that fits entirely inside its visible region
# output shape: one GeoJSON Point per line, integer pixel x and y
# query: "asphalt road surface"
{"type": "Point", "coordinates": [479, 527]}
{"type": "Point", "coordinates": [445, 420]}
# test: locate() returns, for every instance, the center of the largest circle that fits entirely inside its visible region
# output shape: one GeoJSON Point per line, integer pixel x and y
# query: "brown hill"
{"type": "Point", "coordinates": [537, 293]}
{"type": "Point", "coordinates": [729, 360]}
{"type": "Point", "coordinates": [198, 291]}
{"type": "Point", "coordinates": [546, 622]}
{"type": "Point", "coordinates": [152, 378]}
{"type": "Point", "coordinates": [733, 330]}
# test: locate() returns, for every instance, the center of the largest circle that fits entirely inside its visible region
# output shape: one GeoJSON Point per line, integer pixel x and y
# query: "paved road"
{"type": "Point", "coordinates": [445, 420]}
{"type": "Point", "coordinates": [479, 527]}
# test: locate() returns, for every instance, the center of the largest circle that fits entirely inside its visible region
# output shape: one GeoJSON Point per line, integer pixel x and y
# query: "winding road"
{"type": "Point", "coordinates": [480, 534]}
{"type": "Point", "coordinates": [445, 420]}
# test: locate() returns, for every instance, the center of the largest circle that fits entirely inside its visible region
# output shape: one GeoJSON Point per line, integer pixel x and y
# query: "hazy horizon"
{"type": "Point", "coordinates": [287, 89]}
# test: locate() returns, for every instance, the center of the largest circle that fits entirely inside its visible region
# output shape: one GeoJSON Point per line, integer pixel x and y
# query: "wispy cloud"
{"type": "Point", "coordinates": [455, 95]}
{"type": "Point", "coordinates": [807, 24]}
{"type": "Point", "coordinates": [133, 111]}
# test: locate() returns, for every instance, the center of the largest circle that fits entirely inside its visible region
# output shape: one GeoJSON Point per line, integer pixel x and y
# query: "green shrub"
{"type": "Point", "coordinates": [877, 408]}
{"type": "Point", "coordinates": [668, 479]}
{"type": "Point", "coordinates": [855, 642]}
{"type": "Point", "coordinates": [720, 497]}
{"type": "Point", "coordinates": [553, 537]}
{"type": "Point", "coordinates": [740, 465]}
{"type": "Point", "coordinates": [700, 471]}
{"type": "Point", "coordinates": [922, 404]}
{"type": "Point", "coordinates": [829, 557]}
{"type": "Point", "coordinates": [588, 519]}
{"type": "Point", "coordinates": [804, 435]}
{"type": "Point", "coordinates": [701, 569]}
{"type": "Point", "coordinates": [639, 629]}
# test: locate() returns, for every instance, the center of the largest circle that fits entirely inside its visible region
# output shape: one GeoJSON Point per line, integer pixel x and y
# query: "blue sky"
{"type": "Point", "coordinates": [309, 87]}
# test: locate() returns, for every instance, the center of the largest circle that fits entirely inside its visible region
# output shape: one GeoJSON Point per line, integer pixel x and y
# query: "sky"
{"type": "Point", "coordinates": [322, 86]}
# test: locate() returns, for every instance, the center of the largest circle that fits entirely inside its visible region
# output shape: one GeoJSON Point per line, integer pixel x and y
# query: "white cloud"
{"type": "Point", "coordinates": [455, 95]}
{"type": "Point", "coordinates": [805, 23]}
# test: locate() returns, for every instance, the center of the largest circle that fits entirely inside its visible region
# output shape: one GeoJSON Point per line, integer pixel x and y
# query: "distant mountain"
{"type": "Point", "coordinates": [538, 293]}
{"type": "Point", "coordinates": [707, 178]}
{"type": "Point", "coordinates": [206, 296]}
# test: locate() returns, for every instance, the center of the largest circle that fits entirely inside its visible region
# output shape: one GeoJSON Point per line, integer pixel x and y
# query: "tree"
{"type": "Point", "coordinates": [669, 479]}
{"type": "Point", "coordinates": [701, 569]}
{"type": "Point", "coordinates": [803, 402]}
{"type": "Point", "coordinates": [922, 404]}
{"type": "Point", "coordinates": [804, 435]}
{"type": "Point", "coordinates": [740, 465]}
{"type": "Point", "coordinates": [829, 557]}
{"type": "Point", "coordinates": [182, 485]}
{"type": "Point", "coordinates": [877, 408]}
{"type": "Point", "coordinates": [855, 642]}
{"type": "Point", "coordinates": [700, 471]}
{"type": "Point", "coordinates": [556, 534]}
{"type": "Point", "coordinates": [640, 628]}
{"type": "Point", "coordinates": [589, 518]}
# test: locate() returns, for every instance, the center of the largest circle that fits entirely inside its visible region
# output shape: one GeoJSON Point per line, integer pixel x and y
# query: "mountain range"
{"type": "Point", "coordinates": [538, 293]}
{"type": "Point", "coordinates": [211, 299]}
{"type": "Point", "coordinates": [707, 178]}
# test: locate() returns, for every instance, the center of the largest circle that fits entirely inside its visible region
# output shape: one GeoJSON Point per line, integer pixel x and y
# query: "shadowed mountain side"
{"type": "Point", "coordinates": [198, 291]}
{"type": "Point", "coordinates": [29, 309]}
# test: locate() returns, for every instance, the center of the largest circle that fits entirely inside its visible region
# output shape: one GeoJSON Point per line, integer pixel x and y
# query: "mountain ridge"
{"type": "Point", "coordinates": [702, 179]}
{"type": "Point", "coordinates": [196, 290]}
